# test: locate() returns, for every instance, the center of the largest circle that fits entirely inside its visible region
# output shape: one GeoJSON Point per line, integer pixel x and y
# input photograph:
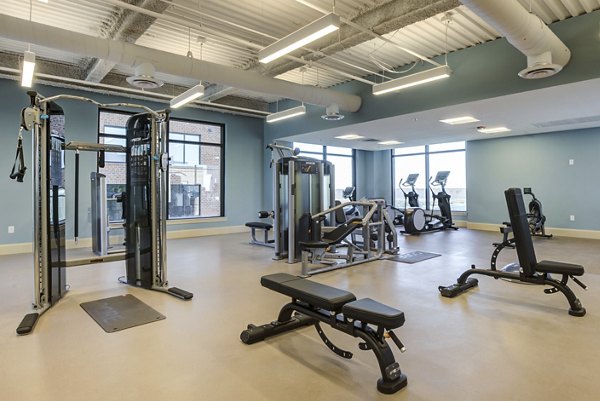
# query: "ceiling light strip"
{"type": "Point", "coordinates": [285, 114]}
{"type": "Point", "coordinates": [418, 78]}
{"type": "Point", "coordinates": [28, 69]}
{"type": "Point", "coordinates": [303, 36]}
{"type": "Point", "coordinates": [493, 130]}
{"type": "Point", "coordinates": [459, 120]}
{"type": "Point", "coordinates": [187, 96]}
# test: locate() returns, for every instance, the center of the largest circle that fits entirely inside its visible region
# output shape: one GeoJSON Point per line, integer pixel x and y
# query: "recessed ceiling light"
{"type": "Point", "coordinates": [460, 120]}
{"type": "Point", "coordinates": [350, 136]}
{"type": "Point", "coordinates": [493, 130]}
{"type": "Point", "coordinates": [390, 143]}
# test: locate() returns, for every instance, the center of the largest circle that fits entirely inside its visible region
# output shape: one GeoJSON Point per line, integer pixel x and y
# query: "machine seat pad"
{"type": "Point", "coordinates": [342, 231]}
{"type": "Point", "coordinates": [313, 244]}
{"type": "Point", "coordinates": [258, 224]}
{"type": "Point", "coordinates": [369, 311]}
{"type": "Point", "coordinates": [313, 293]}
{"type": "Point", "coordinates": [549, 266]}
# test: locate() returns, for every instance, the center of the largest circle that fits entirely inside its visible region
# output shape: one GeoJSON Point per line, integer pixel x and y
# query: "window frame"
{"type": "Point", "coordinates": [426, 153]}
{"type": "Point", "coordinates": [324, 153]}
{"type": "Point", "coordinates": [221, 145]}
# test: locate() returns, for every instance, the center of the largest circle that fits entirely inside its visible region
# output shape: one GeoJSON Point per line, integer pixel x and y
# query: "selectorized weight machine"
{"type": "Point", "coordinates": [303, 187]}
{"type": "Point", "coordinates": [145, 204]}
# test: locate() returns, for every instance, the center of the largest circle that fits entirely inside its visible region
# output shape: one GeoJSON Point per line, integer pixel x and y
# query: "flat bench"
{"type": "Point", "coordinates": [265, 227]}
{"type": "Point", "coordinates": [314, 303]}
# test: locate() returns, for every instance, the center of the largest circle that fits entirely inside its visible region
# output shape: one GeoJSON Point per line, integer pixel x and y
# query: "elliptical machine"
{"type": "Point", "coordinates": [417, 221]}
{"type": "Point", "coordinates": [410, 199]}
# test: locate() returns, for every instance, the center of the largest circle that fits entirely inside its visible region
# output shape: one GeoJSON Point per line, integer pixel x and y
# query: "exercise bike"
{"type": "Point", "coordinates": [416, 220]}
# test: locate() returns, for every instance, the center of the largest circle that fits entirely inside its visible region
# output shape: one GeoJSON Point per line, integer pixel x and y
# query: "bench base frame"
{"type": "Point", "coordinates": [297, 314]}
{"type": "Point", "coordinates": [464, 283]}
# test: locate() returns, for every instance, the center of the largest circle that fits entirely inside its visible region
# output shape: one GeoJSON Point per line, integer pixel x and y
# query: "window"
{"type": "Point", "coordinates": [342, 159]}
{"type": "Point", "coordinates": [196, 169]}
{"type": "Point", "coordinates": [196, 150]}
{"type": "Point", "coordinates": [111, 129]}
{"type": "Point", "coordinates": [427, 161]}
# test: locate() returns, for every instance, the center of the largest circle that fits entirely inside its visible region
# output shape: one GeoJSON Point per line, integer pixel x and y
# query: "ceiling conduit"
{"type": "Point", "coordinates": [546, 53]}
{"type": "Point", "coordinates": [133, 55]}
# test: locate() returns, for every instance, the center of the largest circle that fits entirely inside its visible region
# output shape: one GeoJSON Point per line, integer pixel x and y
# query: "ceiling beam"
{"type": "Point", "coordinates": [126, 26]}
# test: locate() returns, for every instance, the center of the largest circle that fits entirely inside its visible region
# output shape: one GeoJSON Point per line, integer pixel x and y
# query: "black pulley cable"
{"type": "Point", "coordinates": [19, 164]}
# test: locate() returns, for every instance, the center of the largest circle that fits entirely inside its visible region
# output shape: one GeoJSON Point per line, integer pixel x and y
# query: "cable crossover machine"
{"type": "Point", "coordinates": [145, 203]}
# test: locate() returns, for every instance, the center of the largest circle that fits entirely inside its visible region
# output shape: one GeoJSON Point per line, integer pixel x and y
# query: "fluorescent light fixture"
{"type": "Point", "coordinates": [350, 136]}
{"type": "Point", "coordinates": [28, 68]}
{"type": "Point", "coordinates": [418, 78]}
{"type": "Point", "coordinates": [289, 113]}
{"type": "Point", "coordinates": [43, 1]}
{"type": "Point", "coordinates": [459, 120]}
{"type": "Point", "coordinates": [302, 37]}
{"type": "Point", "coordinates": [493, 130]}
{"type": "Point", "coordinates": [187, 96]}
{"type": "Point", "coordinates": [391, 143]}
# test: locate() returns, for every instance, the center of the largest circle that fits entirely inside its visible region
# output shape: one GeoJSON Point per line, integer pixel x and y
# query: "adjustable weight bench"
{"type": "Point", "coordinates": [265, 227]}
{"type": "Point", "coordinates": [313, 303]}
{"type": "Point", "coordinates": [531, 270]}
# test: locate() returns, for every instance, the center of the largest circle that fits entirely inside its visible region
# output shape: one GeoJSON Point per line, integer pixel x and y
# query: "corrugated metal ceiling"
{"type": "Point", "coordinates": [222, 38]}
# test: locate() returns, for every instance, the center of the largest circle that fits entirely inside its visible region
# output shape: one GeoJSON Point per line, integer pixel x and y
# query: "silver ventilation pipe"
{"type": "Point", "coordinates": [133, 55]}
{"type": "Point", "coordinates": [546, 53]}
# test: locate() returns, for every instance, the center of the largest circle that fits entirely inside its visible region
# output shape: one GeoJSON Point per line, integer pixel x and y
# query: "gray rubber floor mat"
{"type": "Point", "coordinates": [414, 257]}
{"type": "Point", "coordinates": [120, 312]}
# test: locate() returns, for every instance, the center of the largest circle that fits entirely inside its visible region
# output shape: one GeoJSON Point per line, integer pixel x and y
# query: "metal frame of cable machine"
{"type": "Point", "coordinates": [49, 253]}
{"type": "Point", "coordinates": [288, 201]}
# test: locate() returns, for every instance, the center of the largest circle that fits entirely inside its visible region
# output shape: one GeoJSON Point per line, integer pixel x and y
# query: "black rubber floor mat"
{"type": "Point", "coordinates": [414, 257]}
{"type": "Point", "coordinates": [121, 312]}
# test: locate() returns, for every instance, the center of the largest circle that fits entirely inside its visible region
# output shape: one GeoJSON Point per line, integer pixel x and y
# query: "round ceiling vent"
{"type": "Point", "coordinates": [144, 82]}
{"type": "Point", "coordinates": [538, 71]}
{"type": "Point", "coordinates": [332, 113]}
{"type": "Point", "coordinates": [332, 117]}
{"type": "Point", "coordinates": [144, 77]}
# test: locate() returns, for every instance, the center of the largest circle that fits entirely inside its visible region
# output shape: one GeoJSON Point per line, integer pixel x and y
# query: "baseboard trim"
{"type": "Point", "coordinates": [27, 247]}
{"type": "Point", "coordinates": [203, 232]}
{"type": "Point", "coordinates": [559, 232]}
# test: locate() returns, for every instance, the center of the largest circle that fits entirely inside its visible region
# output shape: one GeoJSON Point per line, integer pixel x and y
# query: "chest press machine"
{"type": "Point", "coordinates": [314, 303]}
{"type": "Point", "coordinates": [146, 207]}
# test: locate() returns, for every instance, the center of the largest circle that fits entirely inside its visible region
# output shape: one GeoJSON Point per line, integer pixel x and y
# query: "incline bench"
{"type": "Point", "coordinates": [313, 303]}
{"type": "Point", "coordinates": [532, 271]}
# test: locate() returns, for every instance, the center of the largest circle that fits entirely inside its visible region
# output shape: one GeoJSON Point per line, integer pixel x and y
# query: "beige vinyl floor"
{"type": "Point", "coordinates": [501, 341]}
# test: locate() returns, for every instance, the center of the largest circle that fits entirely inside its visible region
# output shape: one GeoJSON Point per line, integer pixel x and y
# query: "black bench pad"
{"type": "Point", "coordinates": [313, 244]}
{"type": "Point", "coordinates": [549, 266]}
{"type": "Point", "coordinates": [258, 224]}
{"type": "Point", "coordinates": [316, 294]}
{"type": "Point", "coordinates": [369, 311]}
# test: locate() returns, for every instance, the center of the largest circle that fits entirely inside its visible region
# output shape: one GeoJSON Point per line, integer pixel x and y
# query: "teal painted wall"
{"type": "Point", "coordinates": [243, 160]}
{"type": "Point", "coordinates": [542, 163]}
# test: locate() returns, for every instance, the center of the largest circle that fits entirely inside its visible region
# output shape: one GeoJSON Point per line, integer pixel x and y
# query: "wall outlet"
{"type": "Point", "coordinates": [11, 229]}
{"type": "Point", "coordinates": [571, 162]}
{"type": "Point", "coordinates": [572, 217]}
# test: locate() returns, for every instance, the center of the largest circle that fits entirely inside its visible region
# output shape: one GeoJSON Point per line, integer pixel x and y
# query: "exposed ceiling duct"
{"type": "Point", "coordinates": [133, 55]}
{"type": "Point", "coordinates": [546, 53]}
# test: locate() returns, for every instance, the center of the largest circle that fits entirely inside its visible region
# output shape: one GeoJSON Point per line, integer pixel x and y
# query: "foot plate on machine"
{"type": "Point", "coordinates": [179, 293]}
{"type": "Point", "coordinates": [456, 289]}
{"type": "Point", "coordinates": [28, 323]}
